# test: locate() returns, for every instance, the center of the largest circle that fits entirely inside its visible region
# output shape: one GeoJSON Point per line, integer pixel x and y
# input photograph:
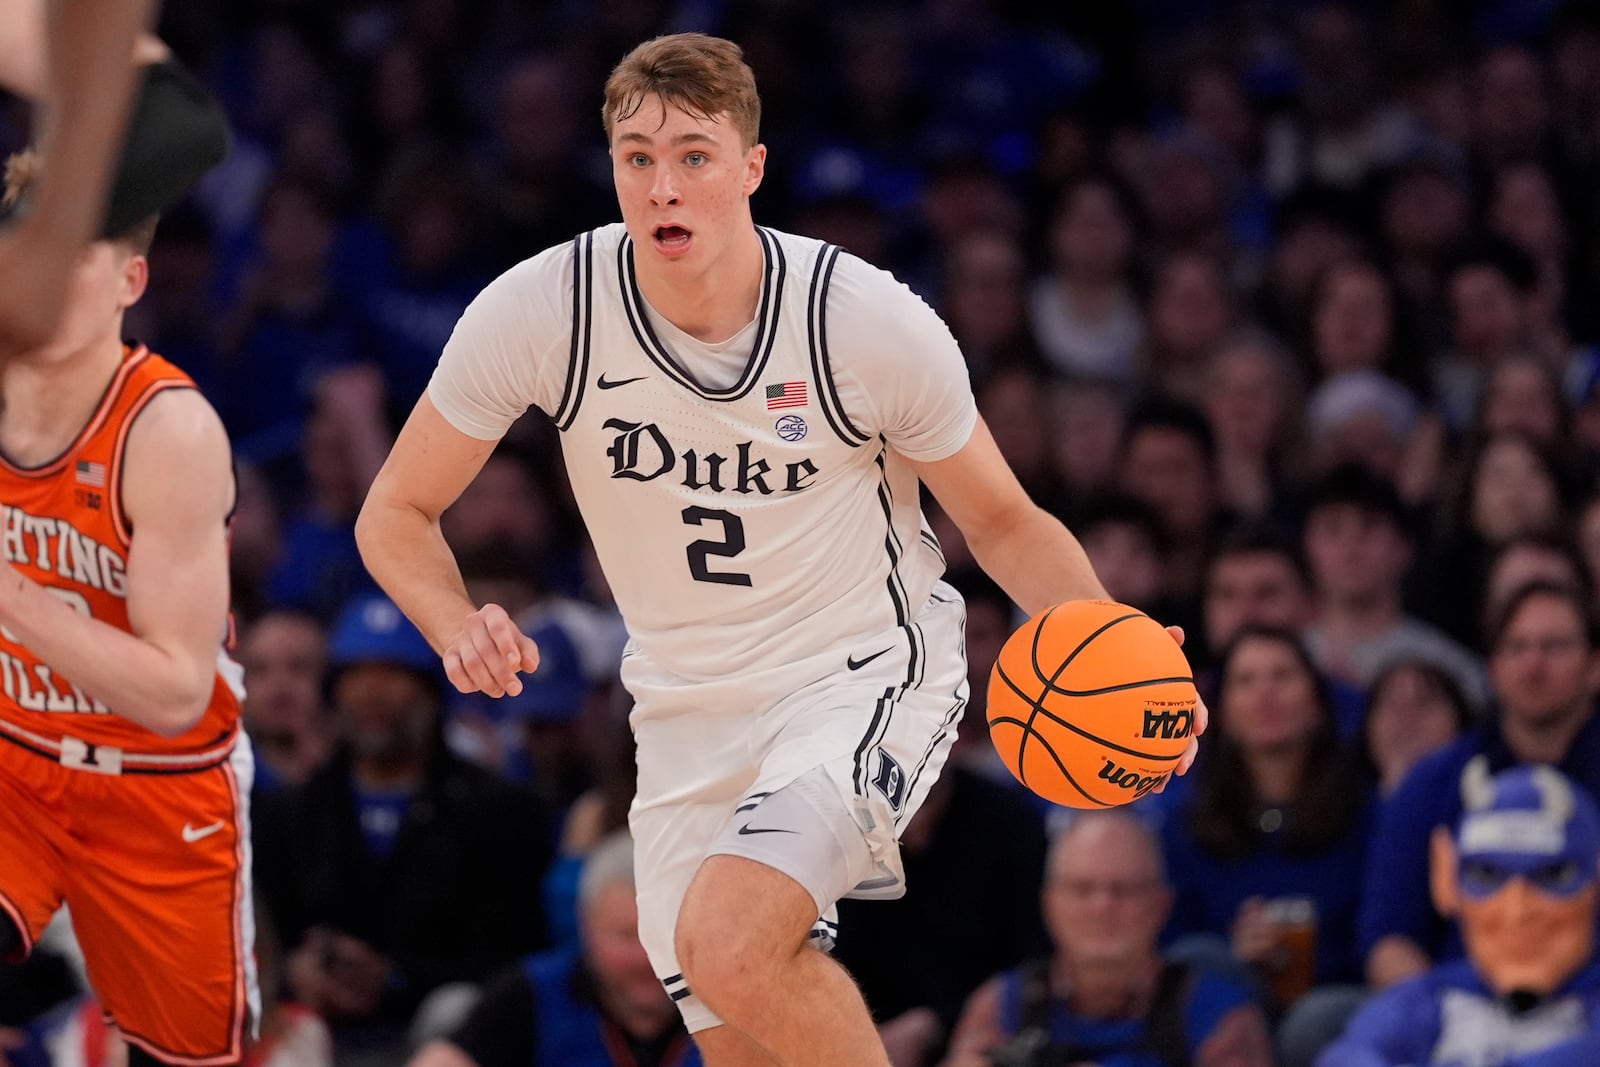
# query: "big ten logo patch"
{"type": "Point", "coordinates": [1118, 775]}
{"type": "Point", "coordinates": [890, 780]}
{"type": "Point", "coordinates": [1168, 723]}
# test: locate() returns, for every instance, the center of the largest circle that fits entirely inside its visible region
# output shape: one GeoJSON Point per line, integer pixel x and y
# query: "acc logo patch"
{"type": "Point", "coordinates": [790, 427]}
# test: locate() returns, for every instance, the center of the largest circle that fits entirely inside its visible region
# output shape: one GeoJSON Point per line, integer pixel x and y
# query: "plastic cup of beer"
{"type": "Point", "coordinates": [1292, 969]}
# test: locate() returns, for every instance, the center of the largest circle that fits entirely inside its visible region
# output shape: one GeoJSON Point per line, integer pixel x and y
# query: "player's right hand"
{"type": "Point", "coordinates": [488, 653]}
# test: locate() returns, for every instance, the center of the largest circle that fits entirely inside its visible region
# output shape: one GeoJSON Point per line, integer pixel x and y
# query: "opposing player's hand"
{"type": "Point", "coordinates": [1202, 717]}
{"type": "Point", "coordinates": [489, 653]}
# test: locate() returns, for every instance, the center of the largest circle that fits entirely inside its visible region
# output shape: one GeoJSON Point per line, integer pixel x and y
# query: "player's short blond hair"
{"type": "Point", "coordinates": [703, 75]}
{"type": "Point", "coordinates": [22, 174]}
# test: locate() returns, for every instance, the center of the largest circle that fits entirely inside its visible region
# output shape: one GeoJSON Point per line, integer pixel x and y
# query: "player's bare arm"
{"type": "Point", "coordinates": [404, 549]}
{"type": "Point", "coordinates": [177, 490]}
{"type": "Point", "coordinates": [88, 89]}
{"type": "Point", "coordinates": [1035, 558]}
{"type": "Point", "coordinates": [1028, 551]}
{"type": "Point", "coordinates": [25, 47]}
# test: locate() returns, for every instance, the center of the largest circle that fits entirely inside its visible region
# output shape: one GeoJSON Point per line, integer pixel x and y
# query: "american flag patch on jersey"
{"type": "Point", "coordinates": [91, 474]}
{"type": "Point", "coordinates": [787, 395]}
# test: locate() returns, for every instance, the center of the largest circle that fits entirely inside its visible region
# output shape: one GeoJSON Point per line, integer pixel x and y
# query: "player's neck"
{"type": "Point", "coordinates": [47, 399]}
{"type": "Point", "coordinates": [716, 303]}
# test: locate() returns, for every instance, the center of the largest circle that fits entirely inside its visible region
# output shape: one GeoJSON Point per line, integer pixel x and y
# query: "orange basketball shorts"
{"type": "Point", "coordinates": [155, 868]}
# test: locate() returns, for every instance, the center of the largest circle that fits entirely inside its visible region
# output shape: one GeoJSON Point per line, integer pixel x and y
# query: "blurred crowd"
{"type": "Point", "coordinates": [1286, 308]}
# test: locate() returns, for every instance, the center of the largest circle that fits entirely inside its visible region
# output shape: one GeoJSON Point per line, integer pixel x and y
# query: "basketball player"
{"type": "Point", "coordinates": [746, 415]}
{"type": "Point", "coordinates": [73, 56]}
{"type": "Point", "coordinates": [123, 776]}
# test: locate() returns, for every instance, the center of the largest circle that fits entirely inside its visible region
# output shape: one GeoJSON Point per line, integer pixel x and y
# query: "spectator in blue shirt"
{"type": "Point", "coordinates": [1276, 810]}
{"type": "Point", "coordinates": [1107, 996]}
{"type": "Point", "coordinates": [598, 1006]}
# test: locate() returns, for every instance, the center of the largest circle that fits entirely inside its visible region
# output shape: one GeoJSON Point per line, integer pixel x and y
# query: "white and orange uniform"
{"type": "Point", "coordinates": [145, 838]}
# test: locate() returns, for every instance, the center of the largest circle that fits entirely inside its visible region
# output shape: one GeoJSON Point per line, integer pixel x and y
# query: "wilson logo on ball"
{"type": "Point", "coordinates": [1168, 724]}
{"type": "Point", "coordinates": [1119, 776]}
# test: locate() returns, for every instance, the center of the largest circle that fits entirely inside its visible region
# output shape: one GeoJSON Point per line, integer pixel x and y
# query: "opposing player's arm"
{"type": "Point", "coordinates": [87, 81]}
{"type": "Point", "coordinates": [26, 45]}
{"type": "Point", "coordinates": [177, 490]}
{"type": "Point", "coordinates": [1035, 558]}
{"type": "Point", "coordinates": [404, 548]}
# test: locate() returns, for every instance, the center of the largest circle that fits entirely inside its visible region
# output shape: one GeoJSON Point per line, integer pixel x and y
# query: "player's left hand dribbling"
{"type": "Point", "coordinates": [488, 653]}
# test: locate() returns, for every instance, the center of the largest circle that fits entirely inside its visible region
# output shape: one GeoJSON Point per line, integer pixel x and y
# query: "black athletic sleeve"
{"type": "Point", "coordinates": [501, 1030]}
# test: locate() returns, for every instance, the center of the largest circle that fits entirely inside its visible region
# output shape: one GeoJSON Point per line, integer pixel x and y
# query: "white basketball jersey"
{"type": "Point", "coordinates": [742, 528]}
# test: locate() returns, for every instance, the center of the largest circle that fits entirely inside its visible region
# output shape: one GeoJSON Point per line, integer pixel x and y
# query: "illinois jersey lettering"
{"type": "Point", "coordinates": [62, 525]}
{"type": "Point", "coordinates": [56, 546]}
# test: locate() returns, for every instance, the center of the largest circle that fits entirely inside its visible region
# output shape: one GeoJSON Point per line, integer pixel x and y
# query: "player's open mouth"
{"type": "Point", "coordinates": [672, 238]}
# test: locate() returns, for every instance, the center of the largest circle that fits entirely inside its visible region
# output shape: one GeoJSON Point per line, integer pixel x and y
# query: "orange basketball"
{"type": "Point", "coordinates": [1091, 704]}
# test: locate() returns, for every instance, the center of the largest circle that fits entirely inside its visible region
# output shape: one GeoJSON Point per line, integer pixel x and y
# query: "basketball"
{"type": "Point", "coordinates": [1091, 704]}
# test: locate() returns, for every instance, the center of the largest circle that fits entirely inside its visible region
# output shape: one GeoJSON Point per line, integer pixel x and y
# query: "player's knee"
{"type": "Point", "coordinates": [736, 932]}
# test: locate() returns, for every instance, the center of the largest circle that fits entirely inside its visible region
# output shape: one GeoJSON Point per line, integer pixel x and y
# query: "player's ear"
{"type": "Point", "coordinates": [755, 168]}
{"type": "Point", "coordinates": [135, 277]}
{"type": "Point", "coordinates": [1442, 872]}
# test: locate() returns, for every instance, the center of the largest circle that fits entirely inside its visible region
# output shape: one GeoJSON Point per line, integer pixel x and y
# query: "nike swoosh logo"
{"type": "Point", "coordinates": [876, 883]}
{"type": "Point", "coordinates": [748, 829]}
{"type": "Point", "coordinates": [191, 835]}
{"type": "Point", "coordinates": [604, 384]}
{"type": "Point", "coordinates": [856, 664]}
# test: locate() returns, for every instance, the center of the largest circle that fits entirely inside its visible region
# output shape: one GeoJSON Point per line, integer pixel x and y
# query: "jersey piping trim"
{"type": "Point", "coordinates": [916, 660]}
{"type": "Point", "coordinates": [132, 763]}
{"type": "Point", "coordinates": [10, 907]}
{"type": "Point", "coordinates": [772, 281]}
{"type": "Point", "coordinates": [219, 1059]}
{"type": "Point", "coordinates": [891, 543]}
{"type": "Point", "coordinates": [817, 336]}
{"type": "Point", "coordinates": [950, 720]}
{"type": "Point", "coordinates": [582, 316]}
{"type": "Point", "coordinates": [102, 412]}
{"type": "Point", "coordinates": [119, 517]}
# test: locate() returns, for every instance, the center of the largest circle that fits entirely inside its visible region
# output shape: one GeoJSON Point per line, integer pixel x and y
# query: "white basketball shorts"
{"type": "Point", "coordinates": [839, 750]}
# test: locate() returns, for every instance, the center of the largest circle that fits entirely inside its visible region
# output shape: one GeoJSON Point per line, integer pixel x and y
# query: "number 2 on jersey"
{"type": "Point", "coordinates": [732, 544]}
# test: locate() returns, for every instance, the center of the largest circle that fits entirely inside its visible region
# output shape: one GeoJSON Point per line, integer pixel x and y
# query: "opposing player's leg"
{"type": "Point", "coordinates": [32, 839]}
{"type": "Point", "coordinates": [760, 974]}
{"type": "Point", "coordinates": [11, 943]}
{"type": "Point", "coordinates": [138, 1057]}
{"type": "Point", "coordinates": [160, 896]}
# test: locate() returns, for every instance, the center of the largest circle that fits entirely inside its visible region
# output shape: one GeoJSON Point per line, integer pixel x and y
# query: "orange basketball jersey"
{"type": "Point", "coordinates": [62, 525]}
